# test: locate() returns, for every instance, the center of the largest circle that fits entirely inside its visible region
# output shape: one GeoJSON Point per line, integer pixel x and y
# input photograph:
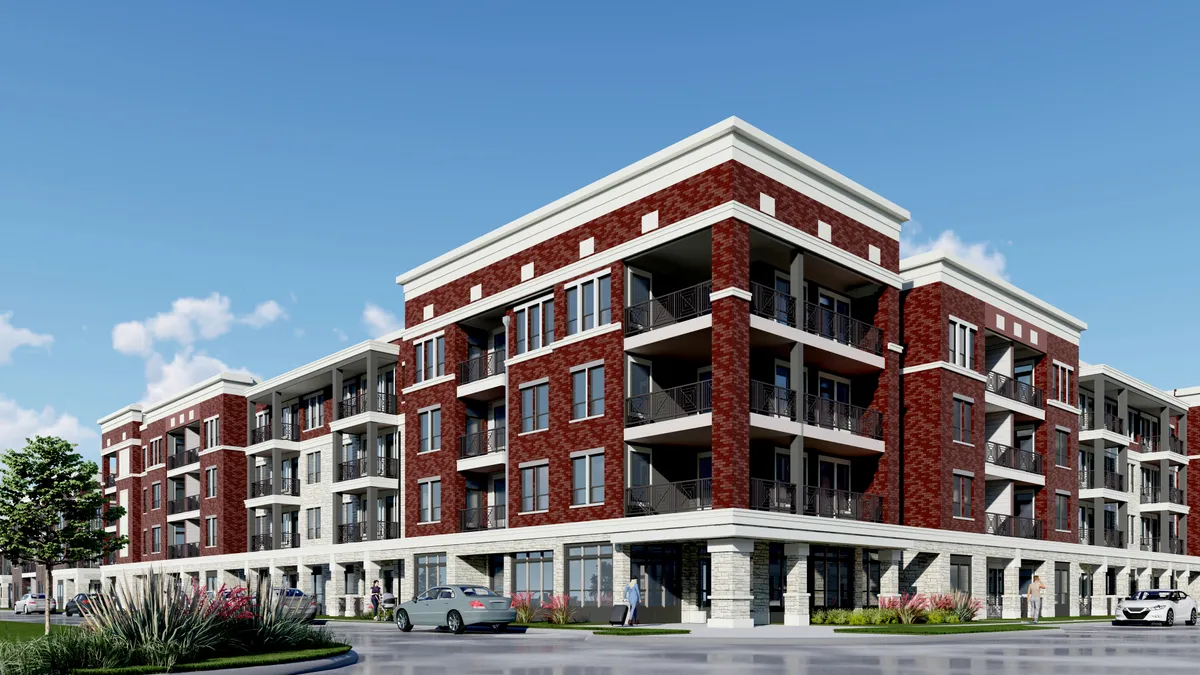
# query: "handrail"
{"type": "Point", "coordinates": [481, 367]}
{"type": "Point", "coordinates": [772, 400]}
{"type": "Point", "coordinates": [482, 442]}
{"type": "Point", "coordinates": [830, 503]}
{"type": "Point", "coordinates": [665, 310]}
{"type": "Point", "coordinates": [483, 518]}
{"type": "Point", "coordinates": [183, 458]}
{"type": "Point", "coordinates": [1012, 389]}
{"type": "Point", "coordinates": [830, 414]}
{"type": "Point", "coordinates": [678, 497]}
{"type": "Point", "coordinates": [348, 532]}
{"type": "Point", "coordinates": [772, 495]}
{"type": "Point", "coordinates": [667, 404]}
{"type": "Point", "coordinates": [1013, 458]}
{"type": "Point", "coordinates": [1013, 526]}
{"type": "Point", "coordinates": [827, 323]}
{"type": "Point", "coordinates": [288, 431]}
{"type": "Point", "coordinates": [773, 304]}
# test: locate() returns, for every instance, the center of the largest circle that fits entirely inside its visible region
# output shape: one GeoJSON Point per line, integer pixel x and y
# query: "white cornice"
{"type": "Point", "coordinates": [221, 383]}
{"type": "Point", "coordinates": [1168, 399]}
{"type": "Point", "coordinates": [130, 413]}
{"type": "Point", "coordinates": [351, 353]}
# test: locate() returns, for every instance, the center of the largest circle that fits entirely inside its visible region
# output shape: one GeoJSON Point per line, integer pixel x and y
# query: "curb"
{"type": "Point", "coordinates": [297, 668]}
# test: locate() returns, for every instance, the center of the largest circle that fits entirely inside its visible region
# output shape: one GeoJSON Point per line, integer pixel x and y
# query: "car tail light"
{"type": "Point", "coordinates": [475, 604]}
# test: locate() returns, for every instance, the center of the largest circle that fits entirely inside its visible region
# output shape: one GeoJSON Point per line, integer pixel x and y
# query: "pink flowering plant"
{"type": "Point", "coordinates": [526, 611]}
{"type": "Point", "coordinates": [559, 610]}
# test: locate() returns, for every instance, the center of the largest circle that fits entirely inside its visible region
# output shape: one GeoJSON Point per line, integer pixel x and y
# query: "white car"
{"type": "Point", "coordinates": [31, 603]}
{"type": "Point", "coordinates": [1165, 606]}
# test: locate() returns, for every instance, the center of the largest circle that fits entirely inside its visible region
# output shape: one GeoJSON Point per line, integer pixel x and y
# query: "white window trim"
{"type": "Point", "coordinates": [533, 464]}
{"type": "Point", "coordinates": [960, 323]}
{"type": "Point", "coordinates": [964, 473]}
{"type": "Point", "coordinates": [308, 425]}
{"type": "Point", "coordinates": [588, 468]}
{"type": "Point", "coordinates": [587, 391]}
{"type": "Point", "coordinates": [585, 366]}
{"type": "Point", "coordinates": [964, 397]}
{"type": "Point", "coordinates": [584, 453]}
{"type": "Point", "coordinates": [209, 487]}
{"type": "Point", "coordinates": [420, 414]}
{"type": "Point", "coordinates": [521, 413]}
{"type": "Point", "coordinates": [541, 301]}
{"type": "Point", "coordinates": [420, 345]}
{"type": "Point", "coordinates": [207, 534]}
{"type": "Point", "coordinates": [577, 284]}
{"type": "Point", "coordinates": [534, 383]}
{"type": "Point", "coordinates": [421, 482]}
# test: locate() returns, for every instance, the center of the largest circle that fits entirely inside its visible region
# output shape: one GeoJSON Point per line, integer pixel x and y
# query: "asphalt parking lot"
{"type": "Point", "coordinates": [1081, 648]}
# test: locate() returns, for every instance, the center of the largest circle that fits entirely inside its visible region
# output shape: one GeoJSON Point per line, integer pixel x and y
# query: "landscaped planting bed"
{"type": "Point", "coordinates": [942, 629]}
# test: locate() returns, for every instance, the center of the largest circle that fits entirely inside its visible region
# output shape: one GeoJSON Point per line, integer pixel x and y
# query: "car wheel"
{"type": "Point", "coordinates": [1192, 620]}
{"type": "Point", "coordinates": [402, 621]}
{"type": "Point", "coordinates": [454, 622]}
{"type": "Point", "coordinates": [1170, 618]}
{"type": "Point", "coordinates": [500, 628]}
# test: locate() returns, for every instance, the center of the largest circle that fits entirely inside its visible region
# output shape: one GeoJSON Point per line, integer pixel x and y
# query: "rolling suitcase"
{"type": "Point", "coordinates": [617, 617]}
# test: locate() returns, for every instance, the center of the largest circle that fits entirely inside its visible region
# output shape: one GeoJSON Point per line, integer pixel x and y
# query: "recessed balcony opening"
{"type": "Point", "coordinates": [813, 483]}
{"type": "Point", "coordinates": [667, 289]}
{"type": "Point", "coordinates": [487, 348]}
{"type": "Point", "coordinates": [669, 399]}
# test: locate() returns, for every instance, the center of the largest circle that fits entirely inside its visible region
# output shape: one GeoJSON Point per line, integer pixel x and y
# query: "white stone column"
{"type": "Point", "coordinates": [621, 572]}
{"type": "Point", "coordinates": [731, 580]}
{"type": "Point", "coordinates": [1075, 571]}
{"type": "Point", "coordinates": [1012, 588]}
{"type": "Point", "coordinates": [1046, 572]}
{"type": "Point", "coordinates": [797, 599]}
{"type": "Point", "coordinates": [336, 601]}
{"type": "Point", "coordinates": [890, 561]}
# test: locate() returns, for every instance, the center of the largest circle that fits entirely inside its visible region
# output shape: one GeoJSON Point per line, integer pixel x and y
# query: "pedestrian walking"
{"type": "Point", "coordinates": [1034, 597]}
{"type": "Point", "coordinates": [633, 595]}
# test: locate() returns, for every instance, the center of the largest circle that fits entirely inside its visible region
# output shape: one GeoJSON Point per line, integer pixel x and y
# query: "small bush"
{"type": "Point", "coordinates": [939, 616]}
{"type": "Point", "coordinates": [966, 608]}
{"type": "Point", "coordinates": [941, 601]}
{"type": "Point", "coordinates": [523, 603]}
{"type": "Point", "coordinates": [859, 618]}
{"type": "Point", "coordinates": [886, 616]}
{"type": "Point", "coordinates": [559, 610]}
{"type": "Point", "coordinates": [908, 608]}
{"type": "Point", "coordinates": [819, 617]}
{"type": "Point", "coordinates": [839, 617]}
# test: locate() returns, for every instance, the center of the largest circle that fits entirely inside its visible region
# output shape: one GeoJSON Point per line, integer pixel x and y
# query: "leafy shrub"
{"type": "Point", "coordinates": [819, 617]}
{"type": "Point", "coordinates": [941, 616]}
{"type": "Point", "coordinates": [559, 609]}
{"type": "Point", "coordinates": [941, 601]}
{"type": "Point", "coordinates": [966, 608]}
{"type": "Point", "coordinates": [908, 608]}
{"type": "Point", "coordinates": [860, 617]}
{"type": "Point", "coordinates": [886, 616]}
{"type": "Point", "coordinates": [839, 617]}
{"type": "Point", "coordinates": [523, 603]}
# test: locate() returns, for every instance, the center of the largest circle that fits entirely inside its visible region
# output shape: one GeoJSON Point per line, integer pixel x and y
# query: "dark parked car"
{"type": "Point", "coordinates": [79, 603]}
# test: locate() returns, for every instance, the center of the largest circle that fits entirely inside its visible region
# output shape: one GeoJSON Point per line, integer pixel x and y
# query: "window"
{"type": "Point", "coordinates": [313, 517]}
{"type": "Point", "coordinates": [156, 539]}
{"type": "Point", "coordinates": [210, 581]}
{"type": "Point", "coordinates": [533, 573]}
{"type": "Point", "coordinates": [431, 358]}
{"type": "Point", "coordinates": [589, 304]}
{"type": "Point", "coordinates": [145, 500]}
{"type": "Point", "coordinates": [431, 430]}
{"type": "Point", "coordinates": [962, 496]}
{"type": "Point", "coordinates": [960, 574]}
{"type": "Point", "coordinates": [535, 325]}
{"type": "Point", "coordinates": [314, 466]}
{"type": "Point", "coordinates": [210, 479]}
{"type": "Point", "coordinates": [587, 480]}
{"type": "Point", "coordinates": [210, 531]}
{"type": "Point", "coordinates": [156, 453]}
{"type": "Point", "coordinates": [314, 412]}
{"type": "Point", "coordinates": [535, 488]}
{"type": "Point", "coordinates": [535, 408]}
{"type": "Point", "coordinates": [1062, 441]}
{"type": "Point", "coordinates": [590, 575]}
{"type": "Point", "coordinates": [212, 432]}
{"type": "Point", "coordinates": [431, 571]}
{"type": "Point", "coordinates": [962, 420]}
{"type": "Point", "coordinates": [1061, 375]}
{"type": "Point", "coordinates": [587, 392]}
{"type": "Point", "coordinates": [156, 496]}
{"type": "Point", "coordinates": [962, 343]}
{"type": "Point", "coordinates": [1062, 518]}
{"type": "Point", "coordinates": [431, 501]}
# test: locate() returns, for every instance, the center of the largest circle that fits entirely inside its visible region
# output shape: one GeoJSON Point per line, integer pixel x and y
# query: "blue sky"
{"type": "Point", "coordinates": [237, 184]}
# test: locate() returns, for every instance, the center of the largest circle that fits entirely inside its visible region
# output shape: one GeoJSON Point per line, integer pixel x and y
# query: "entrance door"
{"type": "Point", "coordinates": [777, 582]}
{"type": "Point", "coordinates": [995, 592]}
{"type": "Point", "coordinates": [1062, 589]}
{"type": "Point", "coordinates": [1024, 578]}
{"type": "Point", "coordinates": [639, 300]}
{"type": "Point", "coordinates": [657, 571]}
{"type": "Point", "coordinates": [705, 584]}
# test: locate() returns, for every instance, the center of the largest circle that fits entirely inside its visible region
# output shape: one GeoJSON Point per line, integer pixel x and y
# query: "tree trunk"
{"type": "Point", "coordinates": [49, 594]}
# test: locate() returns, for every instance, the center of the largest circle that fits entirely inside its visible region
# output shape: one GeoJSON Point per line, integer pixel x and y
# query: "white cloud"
{"type": "Point", "coordinates": [133, 338]}
{"type": "Point", "coordinates": [166, 378]}
{"type": "Point", "coordinates": [378, 321]}
{"type": "Point", "coordinates": [341, 334]}
{"type": "Point", "coordinates": [265, 313]}
{"type": "Point", "coordinates": [12, 337]}
{"type": "Point", "coordinates": [189, 319]}
{"type": "Point", "coordinates": [17, 424]}
{"type": "Point", "coordinates": [981, 255]}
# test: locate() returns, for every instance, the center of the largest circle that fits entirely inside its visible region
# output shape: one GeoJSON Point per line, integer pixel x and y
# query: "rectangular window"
{"type": "Point", "coordinates": [962, 421]}
{"type": "Point", "coordinates": [960, 574]}
{"type": "Point", "coordinates": [313, 523]}
{"type": "Point", "coordinates": [587, 392]}
{"type": "Point", "coordinates": [314, 466]}
{"type": "Point", "coordinates": [535, 407]}
{"type": "Point", "coordinates": [962, 344]}
{"type": "Point", "coordinates": [145, 500]}
{"type": "Point", "coordinates": [1062, 443]}
{"type": "Point", "coordinates": [430, 423]}
{"type": "Point", "coordinates": [535, 325]}
{"type": "Point", "coordinates": [587, 479]}
{"type": "Point", "coordinates": [212, 432]}
{"type": "Point", "coordinates": [156, 496]}
{"type": "Point", "coordinates": [1062, 518]}
{"type": "Point", "coordinates": [589, 304]}
{"type": "Point", "coordinates": [314, 412]}
{"type": "Point", "coordinates": [156, 539]}
{"type": "Point", "coordinates": [156, 452]}
{"type": "Point", "coordinates": [590, 575]}
{"type": "Point", "coordinates": [210, 531]}
{"type": "Point", "coordinates": [535, 488]}
{"type": "Point", "coordinates": [1062, 383]}
{"type": "Point", "coordinates": [962, 496]}
{"type": "Point", "coordinates": [430, 358]}
{"type": "Point", "coordinates": [431, 571]}
{"type": "Point", "coordinates": [210, 479]}
{"type": "Point", "coordinates": [533, 573]}
{"type": "Point", "coordinates": [431, 501]}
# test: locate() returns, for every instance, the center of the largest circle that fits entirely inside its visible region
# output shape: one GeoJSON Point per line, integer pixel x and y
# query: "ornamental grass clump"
{"type": "Point", "coordinates": [965, 607]}
{"type": "Point", "coordinates": [559, 610]}
{"type": "Point", "coordinates": [908, 608]}
{"type": "Point", "coordinates": [523, 603]}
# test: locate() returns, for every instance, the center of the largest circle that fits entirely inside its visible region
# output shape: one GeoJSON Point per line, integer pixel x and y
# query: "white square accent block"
{"type": "Point", "coordinates": [428, 313]}
{"type": "Point", "coordinates": [526, 271]}
{"type": "Point", "coordinates": [1000, 322]}
{"type": "Point", "coordinates": [191, 415]}
{"type": "Point", "coordinates": [650, 222]}
{"type": "Point", "coordinates": [824, 231]}
{"type": "Point", "coordinates": [873, 253]}
{"type": "Point", "coordinates": [587, 247]}
{"type": "Point", "coordinates": [1033, 336]}
{"type": "Point", "coordinates": [1016, 329]}
{"type": "Point", "coordinates": [766, 203]}
{"type": "Point", "coordinates": [476, 292]}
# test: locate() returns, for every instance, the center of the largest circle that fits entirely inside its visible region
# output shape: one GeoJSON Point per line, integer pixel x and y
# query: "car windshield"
{"type": "Point", "coordinates": [476, 591]}
{"type": "Point", "coordinates": [1152, 595]}
{"type": "Point", "coordinates": [39, 596]}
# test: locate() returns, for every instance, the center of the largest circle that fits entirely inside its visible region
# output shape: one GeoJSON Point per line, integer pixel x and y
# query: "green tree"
{"type": "Point", "coordinates": [52, 508]}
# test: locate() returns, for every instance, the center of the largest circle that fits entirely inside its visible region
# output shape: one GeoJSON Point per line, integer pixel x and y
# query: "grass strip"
{"type": "Point", "coordinates": [627, 632]}
{"type": "Point", "coordinates": [1051, 619]}
{"type": "Point", "coordinates": [560, 626]}
{"type": "Point", "coordinates": [20, 631]}
{"type": "Point", "coordinates": [245, 661]}
{"type": "Point", "coordinates": [942, 629]}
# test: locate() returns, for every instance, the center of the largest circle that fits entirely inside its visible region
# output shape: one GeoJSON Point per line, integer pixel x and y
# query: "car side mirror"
{"type": "Point", "coordinates": [414, 599]}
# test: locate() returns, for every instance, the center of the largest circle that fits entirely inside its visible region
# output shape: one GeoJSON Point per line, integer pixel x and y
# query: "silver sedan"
{"type": "Point", "coordinates": [455, 608]}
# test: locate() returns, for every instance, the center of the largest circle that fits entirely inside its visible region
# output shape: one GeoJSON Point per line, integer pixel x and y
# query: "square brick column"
{"type": "Point", "coordinates": [731, 364]}
{"type": "Point", "coordinates": [732, 569]}
{"type": "Point", "coordinates": [796, 599]}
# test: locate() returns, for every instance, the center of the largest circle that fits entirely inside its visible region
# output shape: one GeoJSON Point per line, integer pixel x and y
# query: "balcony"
{"type": "Point", "coordinates": [289, 540]}
{"type": "Point", "coordinates": [1110, 481]}
{"type": "Point", "coordinates": [481, 367]}
{"type": "Point", "coordinates": [288, 487]}
{"type": "Point", "coordinates": [828, 503]}
{"type": "Point", "coordinates": [28, 568]}
{"type": "Point", "coordinates": [183, 458]}
{"type": "Point", "coordinates": [188, 550]}
{"type": "Point", "coordinates": [110, 481]}
{"type": "Point", "coordinates": [772, 495]}
{"type": "Point", "coordinates": [385, 467]}
{"type": "Point", "coordinates": [1013, 526]}
{"type": "Point", "coordinates": [772, 400]}
{"type": "Point", "coordinates": [262, 488]}
{"type": "Point", "coordinates": [1175, 546]}
{"type": "Point", "coordinates": [1150, 544]}
{"type": "Point", "coordinates": [670, 309]}
{"type": "Point", "coordinates": [110, 559]}
{"type": "Point", "coordinates": [668, 404]}
{"type": "Point", "coordinates": [843, 343]}
{"type": "Point", "coordinates": [1149, 495]}
{"type": "Point", "coordinates": [482, 443]}
{"type": "Point", "coordinates": [183, 505]}
{"type": "Point", "coordinates": [349, 532]}
{"type": "Point", "coordinates": [387, 530]}
{"type": "Point", "coordinates": [1013, 458]}
{"type": "Point", "coordinates": [1176, 496]}
{"type": "Point", "coordinates": [1003, 385]}
{"type": "Point", "coordinates": [489, 518]}
{"type": "Point", "coordinates": [829, 414]}
{"type": "Point", "coordinates": [1176, 445]}
{"type": "Point", "coordinates": [363, 403]}
{"type": "Point", "coordinates": [680, 497]}
{"type": "Point", "coordinates": [287, 432]}
{"type": "Point", "coordinates": [1089, 419]}
{"type": "Point", "coordinates": [261, 542]}
{"type": "Point", "coordinates": [1106, 537]}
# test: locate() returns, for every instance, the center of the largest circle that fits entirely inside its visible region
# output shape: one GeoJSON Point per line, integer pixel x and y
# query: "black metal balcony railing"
{"type": "Point", "coordinates": [827, 323]}
{"type": "Point", "coordinates": [183, 504]}
{"type": "Point", "coordinates": [262, 488]}
{"type": "Point", "coordinates": [773, 304]}
{"type": "Point", "coordinates": [1149, 495]}
{"type": "Point", "coordinates": [489, 518]}
{"type": "Point", "coordinates": [1176, 496]}
{"type": "Point", "coordinates": [28, 568]}
{"type": "Point", "coordinates": [183, 458]}
{"type": "Point", "coordinates": [1111, 480]}
{"type": "Point", "coordinates": [261, 542]}
{"type": "Point", "coordinates": [387, 467]}
{"type": "Point", "coordinates": [1147, 443]}
{"type": "Point", "coordinates": [829, 503]}
{"type": "Point", "coordinates": [289, 540]}
{"type": "Point", "coordinates": [362, 403]}
{"type": "Point", "coordinates": [1176, 445]}
{"type": "Point", "coordinates": [1013, 458]}
{"type": "Point", "coordinates": [351, 469]}
{"type": "Point", "coordinates": [772, 495]}
{"type": "Point", "coordinates": [1088, 419]}
{"type": "Point", "coordinates": [482, 442]}
{"type": "Point", "coordinates": [668, 404]}
{"type": "Point", "coordinates": [830, 414]}
{"type": "Point", "coordinates": [481, 367]}
{"type": "Point", "coordinates": [1112, 538]}
{"type": "Point", "coordinates": [289, 487]}
{"type": "Point", "coordinates": [1013, 526]}
{"type": "Point", "coordinates": [348, 532]}
{"type": "Point", "coordinates": [188, 550]}
{"type": "Point", "coordinates": [387, 530]}
{"type": "Point", "coordinates": [110, 481]}
{"type": "Point", "coordinates": [1149, 544]}
{"type": "Point", "coordinates": [1012, 389]}
{"type": "Point", "coordinates": [768, 399]}
{"type": "Point", "coordinates": [287, 432]}
{"type": "Point", "coordinates": [665, 310]}
{"type": "Point", "coordinates": [688, 495]}
{"type": "Point", "coordinates": [1087, 536]}
{"type": "Point", "coordinates": [1175, 546]}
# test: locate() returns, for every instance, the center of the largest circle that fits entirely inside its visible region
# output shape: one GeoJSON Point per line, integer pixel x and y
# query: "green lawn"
{"type": "Point", "coordinates": [604, 629]}
{"type": "Point", "coordinates": [19, 631]}
{"type": "Point", "coordinates": [226, 662]}
{"type": "Point", "coordinates": [942, 628]}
